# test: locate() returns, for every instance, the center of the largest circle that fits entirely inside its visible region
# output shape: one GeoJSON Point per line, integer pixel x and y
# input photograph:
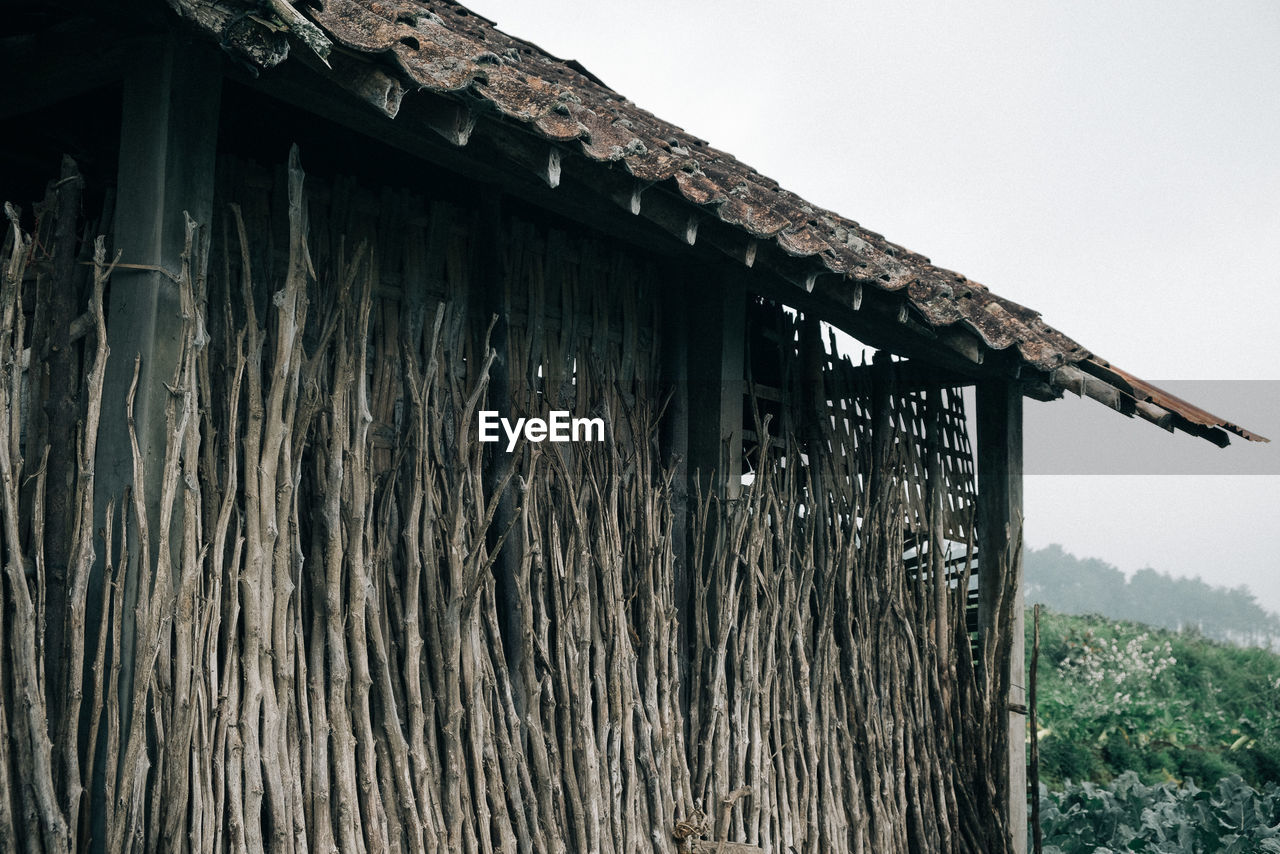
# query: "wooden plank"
{"type": "Point", "coordinates": [999, 420]}
{"type": "Point", "coordinates": [702, 846]}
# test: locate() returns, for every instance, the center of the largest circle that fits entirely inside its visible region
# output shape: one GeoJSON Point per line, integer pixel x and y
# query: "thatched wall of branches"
{"type": "Point", "coordinates": [836, 691]}
{"type": "Point", "coordinates": [357, 628]}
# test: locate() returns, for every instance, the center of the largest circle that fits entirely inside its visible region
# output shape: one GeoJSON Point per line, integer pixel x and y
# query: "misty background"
{"type": "Point", "coordinates": [1112, 165]}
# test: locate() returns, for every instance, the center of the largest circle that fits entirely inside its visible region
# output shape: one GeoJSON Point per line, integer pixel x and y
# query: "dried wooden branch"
{"type": "Point", "coordinates": [324, 658]}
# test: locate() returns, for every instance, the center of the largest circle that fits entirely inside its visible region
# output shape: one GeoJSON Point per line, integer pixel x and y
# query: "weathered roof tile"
{"type": "Point", "coordinates": [445, 48]}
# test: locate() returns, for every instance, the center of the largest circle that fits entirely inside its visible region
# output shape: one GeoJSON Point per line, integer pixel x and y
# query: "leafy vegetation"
{"type": "Point", "coordinates": [1120, 696]}
{"type": "Point", "coordinates": [1230, 818]}
{"type": "Point", "coordinates": [1158, 739]}
{"type": "Point", "coordinates": [1145, 717]}
{"type": "Point", "coordinates": [1072, 585]}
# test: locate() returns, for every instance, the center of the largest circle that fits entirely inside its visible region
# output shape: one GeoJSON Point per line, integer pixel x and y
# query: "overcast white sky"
{"type": "Point", "coordinates": [1114, 165]}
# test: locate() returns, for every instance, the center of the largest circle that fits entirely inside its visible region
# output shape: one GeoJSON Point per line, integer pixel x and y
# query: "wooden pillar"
{"type": "Point", "coordinates": [717, 347]}
{"type": "Point", "coordinates": [1000, 567]}
{"type": "Point", "coordinates": [168, 138]}
{"type": "Point", "coordinates": [714, 320]}
{"type": "Point", "coordinates": [492, 298]}
{"type": "Point", "coordinates": [674, 446]}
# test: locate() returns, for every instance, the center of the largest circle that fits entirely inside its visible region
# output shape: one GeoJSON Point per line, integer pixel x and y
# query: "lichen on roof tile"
{"type": "Point", "coordinates": [444, 48]}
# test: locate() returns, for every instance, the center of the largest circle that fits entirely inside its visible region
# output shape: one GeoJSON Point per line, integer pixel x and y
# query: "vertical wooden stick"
{"type": "Point", "coordinates": [1037, 838]}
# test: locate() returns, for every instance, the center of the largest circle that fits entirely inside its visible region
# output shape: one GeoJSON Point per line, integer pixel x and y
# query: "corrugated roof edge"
{"type": "Point", "coordinates": [446, 49]}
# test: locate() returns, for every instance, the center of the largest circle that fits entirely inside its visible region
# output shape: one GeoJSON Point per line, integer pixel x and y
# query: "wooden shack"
{"type": "Point", "coordinates": [266, 589]}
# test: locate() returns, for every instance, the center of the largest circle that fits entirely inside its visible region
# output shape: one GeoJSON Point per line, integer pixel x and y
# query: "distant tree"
{"type": "Point", "coordinates": [1073, 585]}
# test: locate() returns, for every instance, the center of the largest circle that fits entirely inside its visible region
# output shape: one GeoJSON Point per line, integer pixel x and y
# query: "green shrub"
{"type": "Point", "coordinates": [1116, 696]}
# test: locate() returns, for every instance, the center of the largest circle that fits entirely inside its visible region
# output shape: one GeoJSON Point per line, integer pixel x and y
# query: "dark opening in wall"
{"type": "Point", "coordinates": [86, 128]}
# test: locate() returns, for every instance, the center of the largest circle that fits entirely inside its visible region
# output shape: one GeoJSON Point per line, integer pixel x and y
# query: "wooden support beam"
{"type": "Point", "coordinates": [167, 151]}
{"type": "Point", "coordinates": [670, 213]}
{"type": "Point", "coordinates": [718, 241]}
{"type": "Point", "coordinates": [1157, 415]}
{"type": "Point", "coordinates": [717, 348]}
{"type": "Point", "coordinates": [251, 39]}
{"type": "Point", "coordinates": [1078, 382]}
{"type": "Point", "coordinates": [674, 446]}
{"type": "Point", "coordinates": [714, 316]}
{"type": "Point", "coordinates": [1000, 601]}
{"type": "Point", "coordinates": [539, 158]}
{"type": "Point", "coordinates": [914, 375]}
{"type": "Point", "coordinates": [691, 228]}
{"type": "Point", "coordinates": [376, 86]}
{"type": "Point", "coordinates": [494, 304]}
{"type": "Point", "coordinates": [964, 342]}
{"type": "Point", "coordinates": [453, 121]}
{"type": "Point", "coordinates": [803, 272]}
{"type": "Point", "coordinates": [552, 173]}
{"type": "Point", "coordinates": [302, 28]}
{"type": "Point", "coordinates": [1120, 398]}
{"type": "Point", "coordinates": [871, 315]}
{"type": "Point", "coordinates": [628, 196]}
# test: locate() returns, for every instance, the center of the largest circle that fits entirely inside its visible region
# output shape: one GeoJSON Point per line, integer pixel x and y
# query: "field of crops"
{"type": "Point", "coordinates": [1155, 741]}
{"type": "Point", "coordinates": [1125, 815]}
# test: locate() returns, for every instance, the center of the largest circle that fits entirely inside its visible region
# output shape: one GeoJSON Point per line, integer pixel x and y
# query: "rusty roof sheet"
{"type": "Point", "coordinates": [447, 49]}
{"type": "Point", "coordinates": [1141, 390]}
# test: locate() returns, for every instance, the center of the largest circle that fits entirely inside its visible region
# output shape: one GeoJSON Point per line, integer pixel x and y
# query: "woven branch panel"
{"type": "Point", "coordinates": [358, 629]}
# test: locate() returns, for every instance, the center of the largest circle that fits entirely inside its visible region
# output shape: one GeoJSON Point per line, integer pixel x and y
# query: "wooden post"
{"type": "Point", "coordinates": [491, 294]}
{"type": "Point", "coordinates": [1037, 839]}
{"type": "Point", "coordinates": [717, 348]}
{"type": "Point", "coordinates": [714, 357]}
{"type": "Point", "coordinates": [674, 444]}
{"type": "Point", "coordinates": [168, 137]}
{"type": "Point", "coordinates": [1000, 567]}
